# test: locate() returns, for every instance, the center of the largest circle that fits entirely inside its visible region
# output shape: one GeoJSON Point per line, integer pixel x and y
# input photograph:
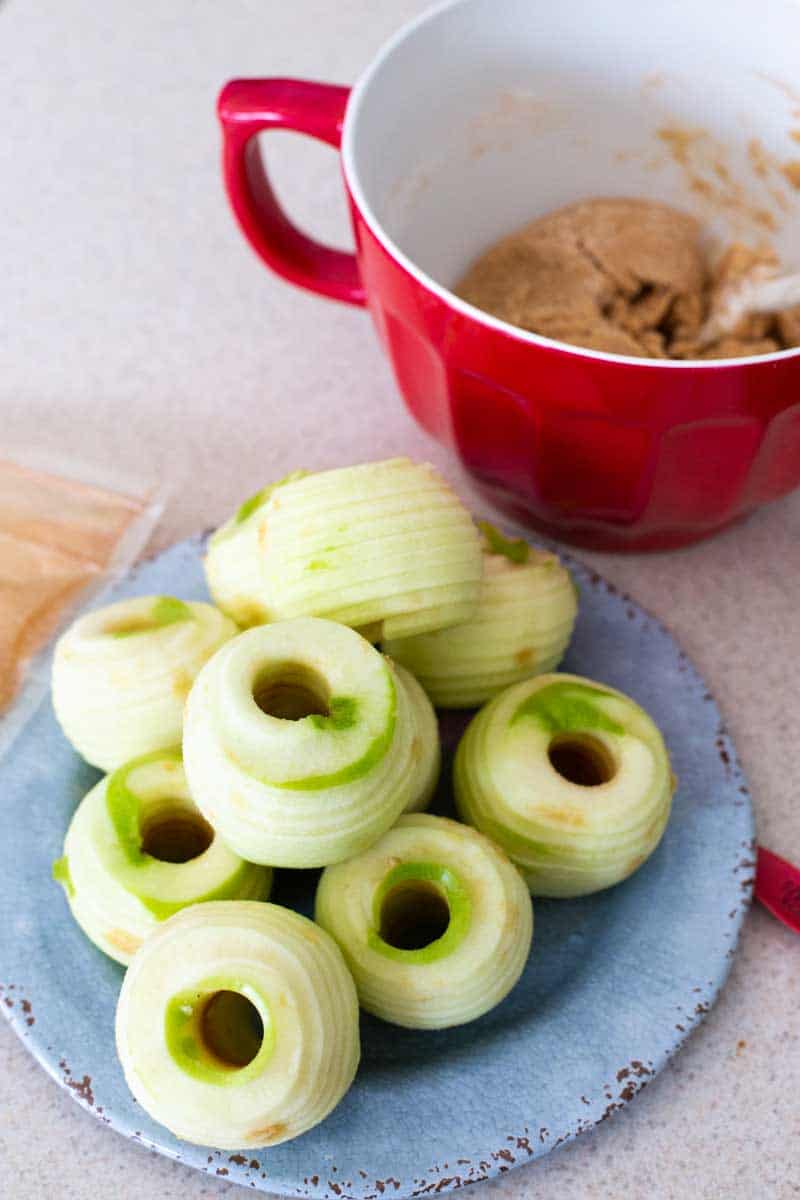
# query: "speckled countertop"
{"type": "Point", "coordinates": [141, 336]}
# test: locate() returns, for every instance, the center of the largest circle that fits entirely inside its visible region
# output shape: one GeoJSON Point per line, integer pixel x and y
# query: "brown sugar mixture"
{"type": "Point", "coordinates": [625, 276]}
{"type": "Point", "coordinates": [56, 537]}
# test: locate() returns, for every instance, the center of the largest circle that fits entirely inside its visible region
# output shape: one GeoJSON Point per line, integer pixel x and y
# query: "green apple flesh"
{"type": "Point", "coordinates": [137, 850]}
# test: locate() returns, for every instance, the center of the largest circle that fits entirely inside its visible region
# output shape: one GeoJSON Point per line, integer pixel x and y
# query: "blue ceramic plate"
{"type": "Point", "coordinates": [614, 984]}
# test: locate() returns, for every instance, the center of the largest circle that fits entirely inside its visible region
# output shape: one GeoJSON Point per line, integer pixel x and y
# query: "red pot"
{"type": "Point", "coordinates": [598, 449]}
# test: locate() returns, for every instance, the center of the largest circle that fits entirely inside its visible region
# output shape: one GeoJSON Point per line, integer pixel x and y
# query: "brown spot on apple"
{"type": "Point", "coordinates": [123, 941]}
{"type": "Point", "coordinates": [563, 816]}
{"type": "Point", "coordinates": [268, 1134]}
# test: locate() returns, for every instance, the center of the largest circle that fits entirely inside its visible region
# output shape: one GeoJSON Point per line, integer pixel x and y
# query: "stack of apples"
{"type": "Point", "coordinates": [290, 725]}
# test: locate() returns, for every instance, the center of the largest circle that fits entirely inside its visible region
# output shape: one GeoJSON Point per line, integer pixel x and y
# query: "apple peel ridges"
{"type": "Point", "coordinates": [570, 777]}
{"type": "Point", "coordinates": [138, 850]}
{"type": "Point", "coordinates": [121, 674]}
{"type": "Point", "coordinates": [434, 921]}
{"type": "Point", "coordinates": [237, 1025]}
{"type": "Point", "coordinates": [425, 747]}
{"type": "Point", "coordinates": [521, 628]}
{"type": "Point", "coordinates": [384, 546]}
{"type": "Point", "coordinates": [301, 743]}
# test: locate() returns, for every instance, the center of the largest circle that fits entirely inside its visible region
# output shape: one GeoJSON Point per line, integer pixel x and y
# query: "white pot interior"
{"type": "Point", "coordinates": [483, 115]}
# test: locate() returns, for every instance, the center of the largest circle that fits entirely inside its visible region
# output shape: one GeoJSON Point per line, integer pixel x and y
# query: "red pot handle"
{"type": "Point", "coordinates": [245, 108]}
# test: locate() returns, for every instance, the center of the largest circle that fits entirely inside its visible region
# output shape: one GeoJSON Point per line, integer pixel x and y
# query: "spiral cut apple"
{"type": "Point", "coordinates": [237, 1025]}
{"type": "Point", "coordinates": [386, 547]}
{"type": "Point", "coordinates": [521, 627]}
{"type": "Point", "coordinates": [426, 750]}
{"type": "Point", "coordinates": [137, 850]}
{"type": "Point", "coordinates": [570, 777]}
{"type": "Point", "coordinates": [121, 674]}
{"type": "Point", "coordinates": [301, 743]}
{"type": "Point", "coordinates": [435, 923]}
{"type": "Point", "coordinates": [234, 559]}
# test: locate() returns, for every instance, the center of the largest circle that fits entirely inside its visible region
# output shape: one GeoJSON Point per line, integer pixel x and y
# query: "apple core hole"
{"type": "Point", "coordinates": [231, 1029]}
{"type": "Point", "coordinates": [176, 836]}
{"type": "Point", "coordinates": [414, 914]}
{"type": "Point", "coordinates": [291, 692]}
{"type": "Point", "coordinates": [581, 759]}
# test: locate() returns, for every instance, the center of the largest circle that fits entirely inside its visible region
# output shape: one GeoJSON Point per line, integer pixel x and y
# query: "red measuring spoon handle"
{"type": "Point", "coordinates": [778, 887]}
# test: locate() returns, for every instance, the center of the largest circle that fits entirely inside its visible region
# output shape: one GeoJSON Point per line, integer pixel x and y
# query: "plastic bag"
{"type": "Point", "coordinates": [63, 541]}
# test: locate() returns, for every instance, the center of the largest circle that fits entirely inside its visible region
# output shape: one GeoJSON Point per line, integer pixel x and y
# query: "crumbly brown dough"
{"type": "Point", "coordinates": [622, 275]}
